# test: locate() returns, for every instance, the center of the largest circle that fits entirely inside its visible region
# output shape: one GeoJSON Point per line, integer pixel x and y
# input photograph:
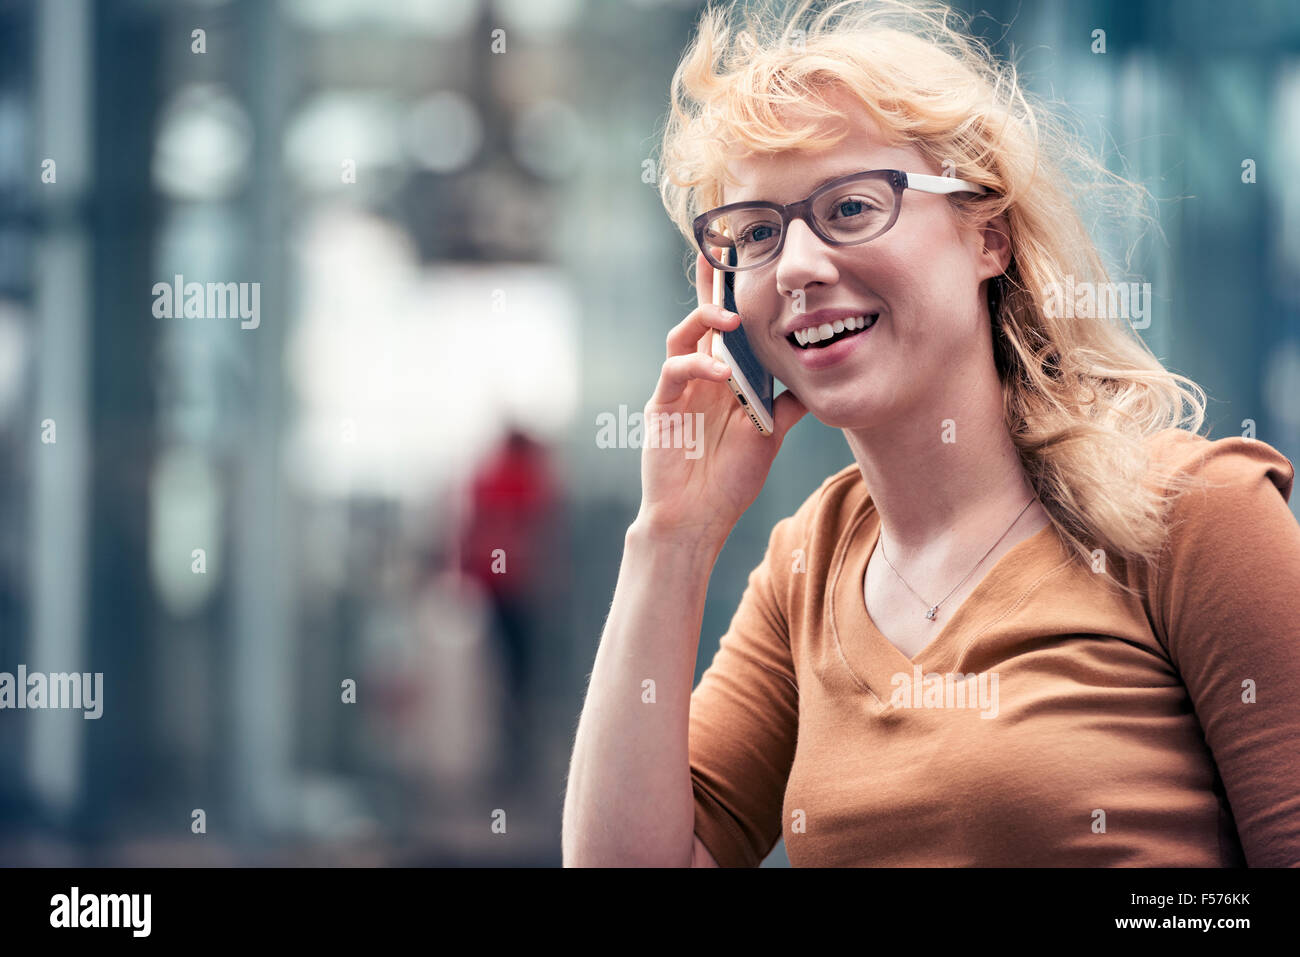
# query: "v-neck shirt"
{"type": "Point", "coordinates": [1053, 720]}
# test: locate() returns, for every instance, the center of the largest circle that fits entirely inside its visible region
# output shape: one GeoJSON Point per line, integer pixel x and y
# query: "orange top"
{"type": "Point", "coordinates": [1053, 721]}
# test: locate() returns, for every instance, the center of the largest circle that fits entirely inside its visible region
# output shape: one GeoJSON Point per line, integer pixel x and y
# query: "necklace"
{"type": "Point", "coordinates": [933, 609]}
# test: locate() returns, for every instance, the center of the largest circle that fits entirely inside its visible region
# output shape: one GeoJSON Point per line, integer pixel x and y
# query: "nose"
{"type": "Point", "coordinates": [804, 259]}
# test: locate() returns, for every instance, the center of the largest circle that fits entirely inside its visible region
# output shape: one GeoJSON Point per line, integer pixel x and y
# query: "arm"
{"type": "Point", "coordinates": [629, 799]}
{"type": "Point", "coordinates": [630, 794]}
{"type": "Point", "coordinates": [1228, 598]}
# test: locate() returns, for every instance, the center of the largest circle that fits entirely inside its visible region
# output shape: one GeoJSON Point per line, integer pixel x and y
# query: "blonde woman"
{"type": "Point", "coordinates": [1039, 621]}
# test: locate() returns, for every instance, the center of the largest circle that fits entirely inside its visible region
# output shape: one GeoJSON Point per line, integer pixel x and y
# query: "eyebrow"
{"type": "Point", "coordinates": [833, 176]}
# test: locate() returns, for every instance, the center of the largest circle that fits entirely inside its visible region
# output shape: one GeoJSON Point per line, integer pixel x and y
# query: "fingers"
{"type": "Point", "coordinates": [690, 334]}
{"type": "Point", "coordinates": [703, 280]}
{"type": "Point", "coordinates": [679, 370]}
{"type": "Point", "coordinates": [686, 335]}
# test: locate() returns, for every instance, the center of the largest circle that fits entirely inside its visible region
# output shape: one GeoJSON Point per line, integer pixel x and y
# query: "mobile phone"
{"type": "Point", "coordinates": [750, 381]}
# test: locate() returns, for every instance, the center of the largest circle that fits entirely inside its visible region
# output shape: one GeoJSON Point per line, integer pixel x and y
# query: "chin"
{"type": "Point", "coordinates": [838, 417]}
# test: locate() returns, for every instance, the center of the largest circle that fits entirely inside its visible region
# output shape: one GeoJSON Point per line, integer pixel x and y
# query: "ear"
{"type": "Point", "coordinates": [995, 256]}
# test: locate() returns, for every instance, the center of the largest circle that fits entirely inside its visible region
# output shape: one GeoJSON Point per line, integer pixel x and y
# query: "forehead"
{"type": "Point", "coordinates": [792, 174]}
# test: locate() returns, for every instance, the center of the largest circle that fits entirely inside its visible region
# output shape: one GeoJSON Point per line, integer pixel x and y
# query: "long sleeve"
{"type": "Point", "coordinates": [744, 719]}
{"type": "Point", "coordinates": [1227, 599]}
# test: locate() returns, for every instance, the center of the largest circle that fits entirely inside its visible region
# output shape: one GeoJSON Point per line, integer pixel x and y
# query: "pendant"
{"type": "Point", "coordinates": [930, 614]}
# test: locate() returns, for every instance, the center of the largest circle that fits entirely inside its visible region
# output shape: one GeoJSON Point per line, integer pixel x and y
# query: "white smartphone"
{"type": "Point", "coordinates": [750, 381]}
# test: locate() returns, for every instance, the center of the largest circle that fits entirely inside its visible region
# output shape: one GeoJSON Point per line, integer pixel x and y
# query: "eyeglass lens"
{"type": "Point", "coordinates": [847, 214]}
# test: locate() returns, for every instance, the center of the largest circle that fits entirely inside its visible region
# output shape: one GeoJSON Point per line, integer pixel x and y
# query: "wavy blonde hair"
{"type": "Point", "coordinates": [1081, 396]}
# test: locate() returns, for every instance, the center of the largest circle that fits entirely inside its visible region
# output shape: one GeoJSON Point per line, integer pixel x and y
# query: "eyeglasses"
{"type": "Point", "coordinates": [853, 209]}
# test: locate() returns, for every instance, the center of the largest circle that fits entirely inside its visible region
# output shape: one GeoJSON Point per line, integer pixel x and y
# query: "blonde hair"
{"type": "Point", "coordinates": [1081, 396]}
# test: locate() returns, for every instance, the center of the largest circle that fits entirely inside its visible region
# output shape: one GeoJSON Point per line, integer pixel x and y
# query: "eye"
{"type": "Point", "coordinates": [846, 208]}
{"type": "Point", "coordinates": [759, 233]}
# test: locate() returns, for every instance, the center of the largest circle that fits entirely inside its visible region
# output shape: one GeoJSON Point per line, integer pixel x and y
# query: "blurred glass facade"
{"type": "Point", "coordinates": [276, 532]}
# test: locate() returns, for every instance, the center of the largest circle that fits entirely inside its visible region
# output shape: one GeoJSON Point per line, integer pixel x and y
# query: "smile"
{"type": "Point", "coordinates": [828, 333]}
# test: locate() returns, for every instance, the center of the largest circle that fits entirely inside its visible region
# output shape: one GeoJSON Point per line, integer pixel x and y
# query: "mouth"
{"type": "Point", "coordinates": [829, 333]}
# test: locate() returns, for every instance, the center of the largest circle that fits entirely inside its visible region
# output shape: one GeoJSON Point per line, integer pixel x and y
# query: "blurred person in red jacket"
{"type": "Point", "coordinates": [512, 495]}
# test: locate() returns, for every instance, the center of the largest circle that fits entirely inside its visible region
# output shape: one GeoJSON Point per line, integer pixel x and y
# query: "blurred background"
{"type": "Point", "coordinates": [281, 539]}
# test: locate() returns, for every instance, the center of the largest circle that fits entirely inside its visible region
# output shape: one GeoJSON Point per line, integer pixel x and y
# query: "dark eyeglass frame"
{"type": "Point", "coordinates": [802, 209]}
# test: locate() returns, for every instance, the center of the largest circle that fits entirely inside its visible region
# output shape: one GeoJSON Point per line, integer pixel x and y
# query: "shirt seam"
{"type": "Point", "coordinates": [832, 586]}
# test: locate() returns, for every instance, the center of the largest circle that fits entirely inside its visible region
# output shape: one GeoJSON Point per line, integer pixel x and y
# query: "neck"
{"type": "Point", "coordinates": [938, 497]}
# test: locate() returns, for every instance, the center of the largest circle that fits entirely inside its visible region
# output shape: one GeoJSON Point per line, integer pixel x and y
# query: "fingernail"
{"type": "Point", "coordinates": [721, 367]}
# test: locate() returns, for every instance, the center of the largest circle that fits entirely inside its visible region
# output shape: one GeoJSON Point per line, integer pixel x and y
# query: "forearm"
{"type": "Point", "coordinates": [628, 799]}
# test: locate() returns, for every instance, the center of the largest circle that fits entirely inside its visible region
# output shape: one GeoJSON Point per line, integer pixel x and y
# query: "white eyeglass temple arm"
{"type": "Point", "coordinates": [942, 184]}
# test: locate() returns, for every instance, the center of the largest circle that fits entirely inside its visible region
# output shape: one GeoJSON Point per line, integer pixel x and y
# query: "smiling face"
{"type": "Point", "coordinates": [922, 279]}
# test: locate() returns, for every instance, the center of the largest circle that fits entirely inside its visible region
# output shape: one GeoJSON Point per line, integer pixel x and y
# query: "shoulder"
{"type": "Point", "coordinates": [1229, 526]}
{"type": "Point", "coordinates": [1226, 604]}
{"type": "Point", "coordinates": [809, 539]}
{"type": "Point", "coordinates": [1221, 480]}
{"type": "Point", "coordinates": [1229, 460]}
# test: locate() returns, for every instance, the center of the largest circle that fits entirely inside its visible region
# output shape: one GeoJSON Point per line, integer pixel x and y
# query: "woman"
{"type": "Point", "coordinates": [1037, 622]}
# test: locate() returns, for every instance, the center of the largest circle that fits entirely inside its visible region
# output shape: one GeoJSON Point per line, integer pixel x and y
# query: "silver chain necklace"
{"type": "Point", "coordinates": [933, 609]}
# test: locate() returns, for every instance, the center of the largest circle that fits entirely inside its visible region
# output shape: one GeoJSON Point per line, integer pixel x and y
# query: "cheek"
{"type": "Point", "coordinates": [918, 272]}
{"type": "Point", "coordinates": [934, 257]}
{"type": "Point", "coordinates": [895, 277]}
{"type": "Point", "coordinates": [756, 299]}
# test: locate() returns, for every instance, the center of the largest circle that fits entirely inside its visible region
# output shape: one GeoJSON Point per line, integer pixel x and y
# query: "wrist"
{"type": "Point", "coordinates": [704, 542]}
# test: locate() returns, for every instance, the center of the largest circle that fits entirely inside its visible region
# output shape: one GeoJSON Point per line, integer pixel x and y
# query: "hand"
{"type": "Point", "coordinates": [700, 499]}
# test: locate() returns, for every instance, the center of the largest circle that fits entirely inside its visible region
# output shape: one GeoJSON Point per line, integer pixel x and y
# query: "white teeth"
{"type": "Point", "coordinates": [806, 337]}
